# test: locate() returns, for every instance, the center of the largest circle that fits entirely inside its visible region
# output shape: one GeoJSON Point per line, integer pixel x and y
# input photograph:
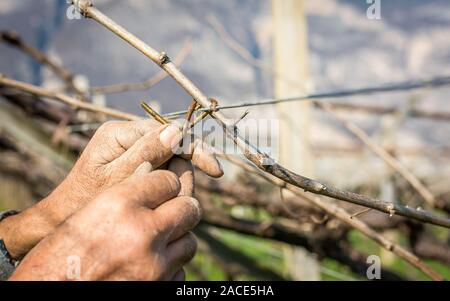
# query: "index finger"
{"type": "Point", "coordinates": [155, 147]}
{"type": "Point", "coordinates": [148, 190]}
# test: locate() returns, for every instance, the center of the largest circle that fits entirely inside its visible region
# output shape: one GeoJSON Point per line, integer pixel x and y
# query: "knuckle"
{"type": "Point", "coordinates": [109, 125]}
{"type": "Point", "coordinates": [145, 126]}
{"type": "Point", "coordinates": [158, 224]}
{"type": "Point", "coordinates": [169, 178]}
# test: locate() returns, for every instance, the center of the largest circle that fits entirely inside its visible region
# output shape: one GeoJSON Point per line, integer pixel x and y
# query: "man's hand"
{"type": "Point", "coordinates": [112, 155]}
{"type": "Point", "coordinates": [136, 230]}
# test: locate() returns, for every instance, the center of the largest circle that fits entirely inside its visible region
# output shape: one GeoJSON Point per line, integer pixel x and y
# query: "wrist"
{"type": "Point", "coordinates": [56, 255]}
{"type": "Point", "coordinates": [7, 263]}
{"type": "Point", "coordinates": [4, 235]}
{"type": "Point", "coordinates": [21, 232]}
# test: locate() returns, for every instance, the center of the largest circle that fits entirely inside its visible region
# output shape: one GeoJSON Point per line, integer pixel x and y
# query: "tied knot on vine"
{"type": "Point", "coordinates": [213, 106]}
{"type": "Point", "coordinates": [391, 209]}
{"type": "Point", "coordinates": [164, 58]}
{"type": "Point", "coordinates": [80, 6]}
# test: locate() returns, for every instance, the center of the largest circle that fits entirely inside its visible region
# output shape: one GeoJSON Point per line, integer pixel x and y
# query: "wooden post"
{"type": "Point", "coordinates": [291, 69]}
{"type": "Point", "coordinates": [291, 78]}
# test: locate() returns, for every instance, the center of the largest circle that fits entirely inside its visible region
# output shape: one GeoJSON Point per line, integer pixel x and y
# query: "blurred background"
{"type": "Point", "coordinates": [239, 50]}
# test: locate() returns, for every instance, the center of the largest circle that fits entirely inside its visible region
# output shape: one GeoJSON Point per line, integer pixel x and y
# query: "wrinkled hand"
{"type": "Point", "coordinates": [135, 230]}
{"type": "Point", "coordinates": [113, 154]}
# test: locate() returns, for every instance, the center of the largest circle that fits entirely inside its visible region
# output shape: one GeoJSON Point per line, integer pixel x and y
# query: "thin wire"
{"type": "Point", "coordinates": [402, 86]}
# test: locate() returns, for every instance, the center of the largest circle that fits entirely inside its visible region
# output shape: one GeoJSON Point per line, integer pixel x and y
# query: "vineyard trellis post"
{"type": "Point", "coordinates": [291, 59]}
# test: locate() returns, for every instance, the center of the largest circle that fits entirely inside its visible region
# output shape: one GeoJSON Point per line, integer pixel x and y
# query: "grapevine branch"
{"type": "Point", "coordinates": [261, 202]}
{"type": "Point", "coordinates": [346, 218]}
{"type": "Point", "coordinates": [390, 160]}
{"type": "Point", "coordinates": [384, 155]}
{"type": "Point", "coordinates": [13, 39]}
{"type": "Point", "coordinates": [333, 248]}
{"type": "Point", "coordinates": [75, 103]}
{"type": "Point", "coordinates": [261, 160]}
{"type": "Point", "coordinates": [243, 52]}
{"type": "Point", "coordinates": [282, 183]}
{"type": "Point", "coordinates": [147, 84]}
{"type": "Point", "coordinates": [331, 209]}
{"type": "Point", "coordinates": [424, 243]}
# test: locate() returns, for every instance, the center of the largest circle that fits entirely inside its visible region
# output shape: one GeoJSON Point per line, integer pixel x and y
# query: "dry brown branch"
{"type": "Point", "coordinates": [325, 243]}
{"type": "Point", "coordinates": [263, 161]}
{"type": "Point", "coordinates": [265, 201]}
{"type": "Point", "coordinates": [242, 51]}
{"type": "Point", "coordinates": [37, 108]}
{"type": "Point", "coordinates": [187, 123]}
{"type": "Point", "coordinates": [346, 218]}
{"type": "Point", "coordinates": [75, 103]}
{"type": "Point", "coordinates": [149, 83]}
{"type": "Point", "coordinates": [425, 244]}
{"type": "Point", "coordinates": [153, 113]}
{"type": "Point", "coordinates": [357, 131]}
{"type": "Point", "coordinates": [359, 213]}
{"type": "Point", "coordinates": [13, 39]}
{"type": "Point", "coordinates": [383, 154]}
{"type": "Point", "coordinates": [248, 195]}
{"type": "Point", "coordinates": [366, 201]}
{"type": "Point", "coordinates": [380, 239]}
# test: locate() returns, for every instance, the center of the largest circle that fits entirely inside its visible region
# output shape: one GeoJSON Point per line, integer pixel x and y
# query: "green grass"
{"type": "Point", "coordinates": [207, 266]}
{"type": "Point", "coordinates": [267, 253]}
{"type": "Point", "coordinates": [403, 268]}
{"type": "Point", "coordinates": [270, 255]}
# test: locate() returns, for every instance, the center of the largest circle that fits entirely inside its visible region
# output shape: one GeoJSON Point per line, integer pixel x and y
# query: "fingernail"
{"type": "Point", "coordinates": [170, 136]}
{"type": "Point", "coordinates": [220, 172]}
{"type": "Point", "coordinates": [144, 168]}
